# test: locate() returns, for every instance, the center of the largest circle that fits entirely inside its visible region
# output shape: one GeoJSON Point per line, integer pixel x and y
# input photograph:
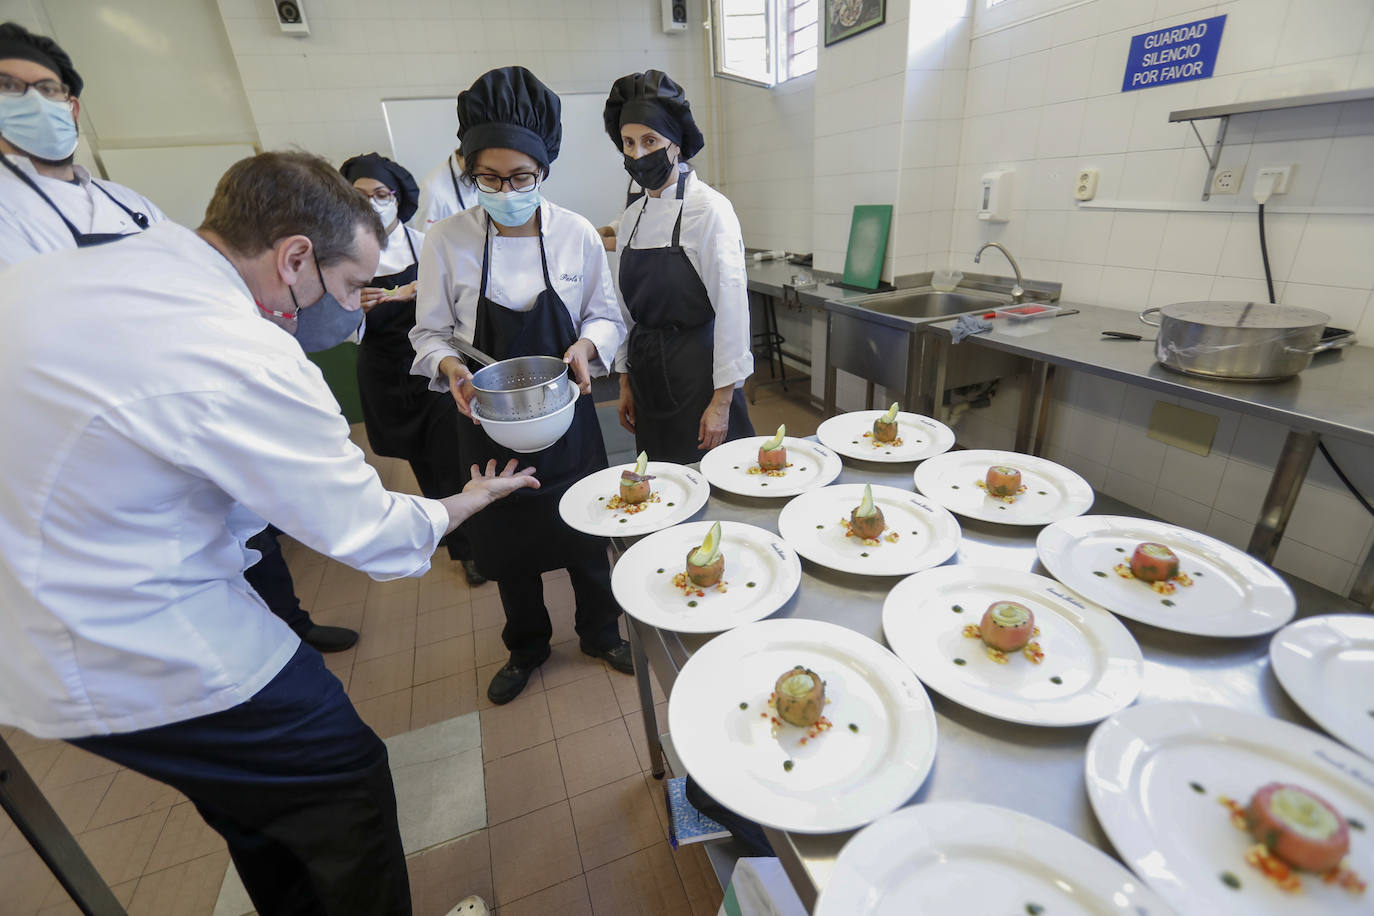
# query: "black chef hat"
{"type": "Point", "coordinates": [19, 43]}
{"type": "Point", "coordinates": [651, 98]}
{"type": "Point", "coordinates": [508, 108]}
{"type": "Point", "coordinates": [391, 174]}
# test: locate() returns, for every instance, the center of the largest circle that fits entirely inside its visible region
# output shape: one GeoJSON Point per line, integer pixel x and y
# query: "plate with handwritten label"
{"type": "Point", "coordinates": [1079, 665]}
{"type": "Point", "coordinates": [917, 437]}
{"type": "Point", "coordinates": [1326, 664]}
{"type": "Point", "coordinates": [595, 505]}
{"type": "Point", "coordinates": [915, 533]}
{"type": "Point", "coordinates": [1173, 783]}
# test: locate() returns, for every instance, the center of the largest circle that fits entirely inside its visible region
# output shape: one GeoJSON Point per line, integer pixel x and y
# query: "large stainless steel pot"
{"type": "Point", "coordinates": [1253, 341]}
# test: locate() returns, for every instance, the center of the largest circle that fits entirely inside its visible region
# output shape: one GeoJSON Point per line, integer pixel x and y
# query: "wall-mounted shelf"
{"type": "Point", "coordinates": [1224, 112]}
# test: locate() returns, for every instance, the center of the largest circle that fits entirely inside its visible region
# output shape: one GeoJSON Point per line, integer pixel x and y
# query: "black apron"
{"type": "Point", "coordinates": [671, 348]}
{"type": "Point", "coordinates": [458, 191]}
{"type": "Point", "coordinates": [82, 239]}
{"type": "Point", "coordinates": [523, 534]}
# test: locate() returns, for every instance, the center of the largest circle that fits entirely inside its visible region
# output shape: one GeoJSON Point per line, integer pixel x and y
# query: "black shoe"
{"type": "Point", "coordinates": [473, 574]}
{"type": "Point", "coordinates": [617, 656]}
{"type": "Point", "coordinates": [511, 679]}
{"type": "Point", "coordinates": [329, 639]}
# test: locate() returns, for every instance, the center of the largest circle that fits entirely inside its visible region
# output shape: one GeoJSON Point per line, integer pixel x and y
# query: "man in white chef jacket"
{"type": "Point", "coordinates": [444, 192]}
{"type": "Point", "coordinates": [46, 201]}
{"type": "Point", "coordinates": [168, 411]}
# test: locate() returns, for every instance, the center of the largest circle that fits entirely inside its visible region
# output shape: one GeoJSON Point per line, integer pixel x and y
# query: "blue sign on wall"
{"type": "Point", "coordinates": [1173, 55]}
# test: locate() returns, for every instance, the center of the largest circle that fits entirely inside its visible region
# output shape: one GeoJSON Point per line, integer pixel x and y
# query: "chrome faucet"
{"type": "Point", "coordinates": [1017, 293]}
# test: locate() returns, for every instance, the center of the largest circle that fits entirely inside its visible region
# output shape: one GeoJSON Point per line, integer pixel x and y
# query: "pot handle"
{"type": "Point", "coordinates": [1144, 320]}
{"type": "Point", "coordinates": [468, 349]}
{"type": "Point", "coordinates": [1337, 344]}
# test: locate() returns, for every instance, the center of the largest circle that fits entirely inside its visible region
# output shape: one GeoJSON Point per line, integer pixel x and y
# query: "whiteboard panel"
{"type": "Point", "coordinates": [179, 179]}
{"type": "Point", "coordinates": [587, 177]}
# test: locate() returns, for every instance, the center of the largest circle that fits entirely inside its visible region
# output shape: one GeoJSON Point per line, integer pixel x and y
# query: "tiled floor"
{"type": "Point", "coordinates": [576, 824]}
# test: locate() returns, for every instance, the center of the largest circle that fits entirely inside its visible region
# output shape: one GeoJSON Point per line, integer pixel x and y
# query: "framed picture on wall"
{"type": "Point", "coordinates": [847, 18]}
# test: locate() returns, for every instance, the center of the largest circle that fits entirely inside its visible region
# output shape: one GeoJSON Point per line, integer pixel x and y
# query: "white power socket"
{"type": "Point", "coordinates": [1227, 181]}
{"type": "Point", "coordinates": [1282, 174]}
{"type": "Point", "coordinates": [1085, 184]}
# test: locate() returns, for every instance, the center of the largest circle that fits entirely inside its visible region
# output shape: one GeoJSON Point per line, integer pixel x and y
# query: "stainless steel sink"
{"type": "Point", "coordinates": [926, 304]}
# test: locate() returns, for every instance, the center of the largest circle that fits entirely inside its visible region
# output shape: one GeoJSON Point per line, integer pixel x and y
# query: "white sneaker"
{"type": "Point", "coordinates": [470, 906]}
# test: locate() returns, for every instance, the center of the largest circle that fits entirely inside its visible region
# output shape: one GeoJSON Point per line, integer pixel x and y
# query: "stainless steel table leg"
{"type": "Point", "coordinates": [51, 839]}
{"type": "Point", "coordinates": [1031, 396]}
{"type": "Point", "coordinates": [1042, 427]}
{"type": "Point", "coordinates": [790, 859]}
{"type": "Point", "coordinates": [1362, 592]}
{"type": "Point", "coordinates": [1284, 487]}
{"type": "Point", "coordinates": [646, 697]}
{"type": "Point", "coordinates": [936, 373]}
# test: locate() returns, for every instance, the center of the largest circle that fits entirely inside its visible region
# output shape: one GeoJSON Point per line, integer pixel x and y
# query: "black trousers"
{"type": "Point", "coordinates": [298, 786]}
{"type": "Point", "coordinates": [271, 579]}
{"type": "Point", "coordinates": [528, 629]}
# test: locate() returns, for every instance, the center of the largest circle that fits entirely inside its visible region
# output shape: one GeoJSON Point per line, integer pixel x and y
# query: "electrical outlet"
{"type": "Point", "coordinates": [1282, 175]}
{"type": "Point", "coordinates": [1085, 184]}
{"type": "Point", "coordinates": [1227, 181]}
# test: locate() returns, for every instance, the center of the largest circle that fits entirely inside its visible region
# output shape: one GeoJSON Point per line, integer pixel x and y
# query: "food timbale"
{"type": "Point", "coordinates": [799, 696]}
{"type": "Point", "coordinates": [634, 485]}
{"type": "Point", "coordinates": [1154, 563]}
{"type": "Point", "coordinates": [885, 427]}
{"type": "Point", "coordinates": [706, 564]}
{"type": "Point", "coordinates": [1007, 626]}
{"type": "Point", "coordinates": [866, 519]}
{"type": "Point", "coordinates": [1298, 826]}
{"type": "Point", "coordinates": [1003, 480]}
{"type": "Point", "coordinates": [773, 454]}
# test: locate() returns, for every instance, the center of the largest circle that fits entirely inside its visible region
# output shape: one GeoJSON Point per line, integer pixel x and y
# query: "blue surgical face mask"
{"type": "Point", "coordinates": [509, 208]}
{"type": "Point", "coordinates": [40, 127]}
{"type": "Point", "coordinates": [324, 323]}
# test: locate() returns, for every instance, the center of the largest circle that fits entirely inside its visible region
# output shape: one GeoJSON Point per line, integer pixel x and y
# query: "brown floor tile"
{"type": "Point", "coordinates": [627, 691]}
{"type": "Point", "coordinates": [438, 590]}
{"type": "Point", "coordinates": [634, 723]}
{"type": "Point", "coordinates": [345, 676]}
{"type": "Point", "coordinates": [487, 647]}
{"type": "Point", "coordinates": [615, 820]}
{"type": "Point", "coordinates": [596, 756]}
{"type": "Point", "coordinates": [567, 899]}
{"type": "Point", "coordinates": [387, 715]}
{"type": "Point", "coordinates": [386, 639]}
{"type": "Point", "coordinates": [442, 875]}
{"type": "Point", "coordinates": [521, 723]}
{"type": "Point", "coordinates": [185, 836]}
{"type": "Point", "coordinates": [523, 782]}
{"type": "Point", "coordinates": [486, 672]}
{"type": "Point", "coordinates": [343, 615]}
{"type": "Point", "coordinates": [558, 593]}
{"type": "Point", "coordinates": [568, 664]}
{"type": "Point", "coordinates": [488, 611]}
{"type": "Point", "coordinates": [444, 623]}
{"type": "Point", "coordinates": [376, 676]}
{"type": "Point", "coordinates": [76, 803]}
{"type": "Point", "coordinates": [442, 658]}
{"type": "Point", "coordinates": [339, 585]}
{"type": "Point", "coordinates": [643, 884]}
{"type": "Point", "coordinates": [532, 852]}
{"type": "Point", "coordinates": [188, 889]}
{"type": "Point", "coordinates": [74, 765]}
{"type": "Point", "coordinates": [25, 882]}
{"type": "Point", "coordinates": [564, 623]}
{"type": "Point", "coordinates": [340, 661]}
{"type": "Point", "coordinates": [121, 851]}
{"type": "Point", "coordinates": [123, 893]}
{"type": "Point", "coordinates": [307, 578]}
{"type": "Point", "coordinates": [482, 591]}
{"type": "Point", "coordinates": [698, 879]}
{"type": "Point", "coordinates": [660, 801]}
{"type": "Point", "coordinates": [445, 698]}
{"type": "Point", "coordinates": [131, 794]}
{"type": "Point", "coordinates": [582, 704]}
{"type": "Point", "coordinates": [392, 601]}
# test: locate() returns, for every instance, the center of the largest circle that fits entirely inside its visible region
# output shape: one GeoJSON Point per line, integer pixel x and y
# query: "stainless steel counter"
{"type": "Point", "coordinates": [972, 747]}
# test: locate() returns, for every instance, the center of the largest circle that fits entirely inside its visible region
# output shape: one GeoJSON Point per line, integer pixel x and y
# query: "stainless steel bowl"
{"type": "Point", "coordinates": [523, 388]}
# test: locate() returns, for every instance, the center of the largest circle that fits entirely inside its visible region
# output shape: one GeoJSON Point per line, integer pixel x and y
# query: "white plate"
{"type": "Point", "coordinates": [953, 857]}
{"type": "Point", "coordinates": [727, 466]}
{"type": "Point", "coordinates": [1095, 658]}
{"type": "Point", "coordinates": [851, 434]}
{"type": "Point", "coordinates": [1140, 767]}
{"type": "Point", "coordinates": [840, 780]}
{"type": "Point", "coordinates": [681, 492]}
{"type": "Point", "coordinates": [1327, 666]}
{"type": "Point", "coordinates": [1052, 491]}
{"type": "Point", "coordinates": [761, 572]}
{"type": "Point", "coordinates": [927, 535]}
{"type": "Point", "coordinates": [1235, 595]}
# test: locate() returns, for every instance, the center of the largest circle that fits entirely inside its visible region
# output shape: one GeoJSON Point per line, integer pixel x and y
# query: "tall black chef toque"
{"type": "Point", "coordinates": [652, 98]}
{"type": "Point", "coordinates": [509, 108]}
{"type": "Point", "coordinates": [392, 174]}
{"type": "Point", "coordinates": [19, 43]}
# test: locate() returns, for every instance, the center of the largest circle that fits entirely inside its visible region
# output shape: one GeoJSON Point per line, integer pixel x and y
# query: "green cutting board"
{"type": "Point", "coordinates": [863, 262]}
{"type": "Point", "coordinates": [339, 366]}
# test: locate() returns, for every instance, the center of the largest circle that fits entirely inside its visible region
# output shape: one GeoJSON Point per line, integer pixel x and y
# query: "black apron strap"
{"type": "Point", "coordinates": [33, 186]}
{"type": "Point", "coordinates": [457, 190]}
{"type": "Point", "coordinates": [140, 220]}
{"type": "Point", "coordinates": [677, 226]}
{"type": "Point", "coordinates": [80, 238]}
{"type": "Point", "coordinates": [543, 255]}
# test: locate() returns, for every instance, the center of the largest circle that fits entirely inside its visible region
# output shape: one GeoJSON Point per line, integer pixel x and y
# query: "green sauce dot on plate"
{"type": "Point", "coordinates": [1197, 575]}
{"type": "Point", "coordinates": [1041, 492]}
{"type": "Point", "coordinates": [622, 521]}
{"type": "Point", "coordinates": [955, 487]}
{"type": "Point", "coordinates": [1230, 880]}
{"type": "Point", "coordinates": [1121, 550]}
{"type": "Point", "coordinates": [763, 484]}
{"type": "Point", "coordinates": [960, 661]}
{"type": "Point", "coordinates": [803, 469]}
{"type": "Point", "coordinates": [958, 609]}
{"type": "Point", "coordinates": [819, 527]}
{"type": "Point", "coordinates": [691, 604]}
{"type": "Point", "coordinates": [854, 441]}
{"type": "Point", "coordinates": [788, 765]}
{"type": "Point", "coordinates": [1354, 824]}
{"type": "Point", "coordinates": [672, 504]}
{"type": "Point", "coordinates": [737, 467]}
{"type": "Point", "coordinates": [1002, 508]}
{"type": "Point", "coordinates": [750, 584]}
{"type": "Point", "coordinates": [1166, 602]}
{"type": "Point", "coordinates": [1197, 787]}
{"type": "Point", "coordinates": [1099, 574]}
{"type": "Point", "coordinates": [1034, 909]}
{"type": "Point", "coordinates": [744, 706]}
{"type": "Point", "coordinates": [854, 728]}
{"type": "Point", "coordinates": [1056, 680]}
{"type": "Point", "coordinates": [864, 554]}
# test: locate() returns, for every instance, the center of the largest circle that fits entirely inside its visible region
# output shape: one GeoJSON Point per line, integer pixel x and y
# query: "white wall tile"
{"type": "Point", "coordinates": [1337, 30]}
{"type": "Point", "coordinates": [1243, 487]}
{"type": "Point", "coordinates": [1336, 250]}
{"type": "Point", "coordinates": [1136, 239]}
{"type": "Point", "coordinates": [1311, 564]}
{"type": "Point", "coordinates": [1125, 288]}
{"type": "Point", "coordinates": [1180, 510]}
{"type": "Point", "coordinates": [1193, 242]}
{"type": "Point", "coordinates": [1070, 71]}
{"type": "Point", "coordinates": [1137, 493]}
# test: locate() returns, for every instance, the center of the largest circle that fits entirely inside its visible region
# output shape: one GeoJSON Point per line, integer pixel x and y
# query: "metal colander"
{"type": "Point", "coordinates": [523, 388]}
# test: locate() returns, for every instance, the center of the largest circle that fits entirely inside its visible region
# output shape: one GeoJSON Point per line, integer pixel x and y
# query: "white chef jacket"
{"type": "Point", "coordinates": [28, 226]}
{"type": "Point", "coordinates": [714, 245]}
{"type": "Point", "coordinates": [162, 420]}
{"type": "Point", "coordinates": [451, 280]}
{"type": "Point", "coordinates": [396, 256]}
{"type": "Point", "coordinates": [437, 199]}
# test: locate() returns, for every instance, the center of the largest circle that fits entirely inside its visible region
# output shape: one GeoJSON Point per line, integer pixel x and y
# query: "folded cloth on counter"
{"type": "Point", "coordinates": [968, 325]}
{"type": "Point", "coordinates": [759, 887]}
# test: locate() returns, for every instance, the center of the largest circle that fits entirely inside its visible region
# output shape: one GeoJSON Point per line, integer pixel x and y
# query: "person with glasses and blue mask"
{"type": "Point", "coordinates": [521, 276]}
{"type": "Point", "coordinates": [46, 201]}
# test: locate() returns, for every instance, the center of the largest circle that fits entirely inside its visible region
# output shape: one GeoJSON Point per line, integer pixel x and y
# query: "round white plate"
{"type": "Point", "coordinates": [727, 466]}
{"type": "Point", "coordinates": [1141, 768]}
{"type": "Point", "coordinates": [1327, 666]}
{"type": "Point", "coordinates": [953, 857]}
{"type": "Point", "coordinates": [1232, 594]}
{"type": "Point", "coordinates": [761, 573]}
{"type": "Point", "coordinates": [681, 492]}
{"type": "Point", "coordinates": [851, 434]}
{"type": "Point", "coordinates": [838, 781]}
{"type": "Point", "coordinates": [1093, 656]}
{"type": "Point", "coordinates": [1053, 492]}
{"type": "Point", "coordinates": [927, 535]}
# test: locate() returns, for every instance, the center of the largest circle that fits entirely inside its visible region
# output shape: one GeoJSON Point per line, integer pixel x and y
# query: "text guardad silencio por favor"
{"type": "Point", "coordinates": [1173, 55]}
